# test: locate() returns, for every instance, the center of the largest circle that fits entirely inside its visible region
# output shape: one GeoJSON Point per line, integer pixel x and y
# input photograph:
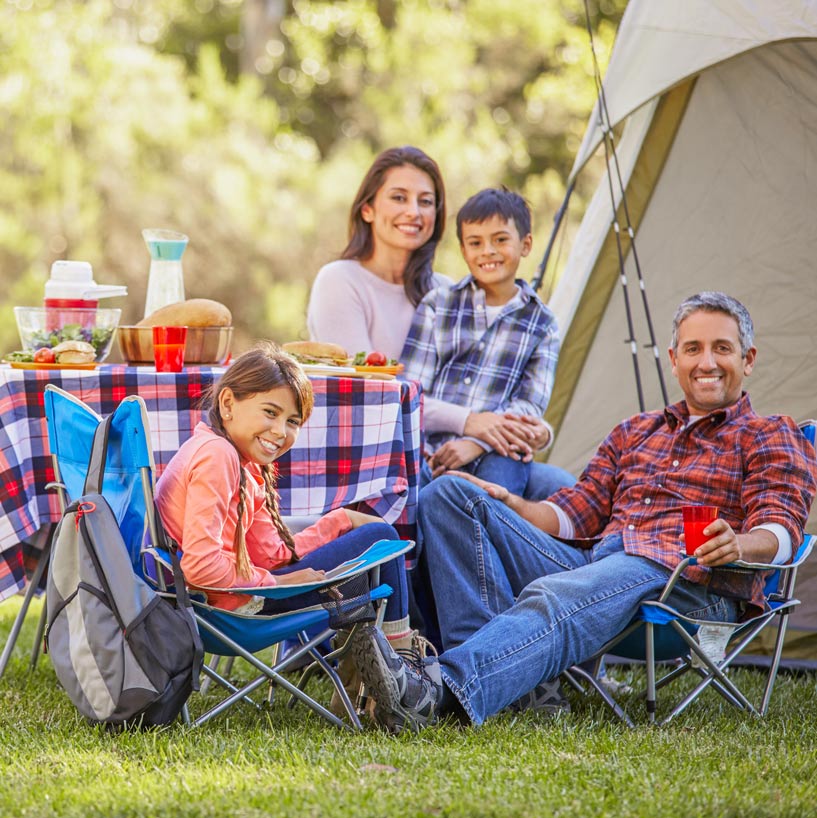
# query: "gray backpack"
{"type": "Point", "coordinates": [125, 655]}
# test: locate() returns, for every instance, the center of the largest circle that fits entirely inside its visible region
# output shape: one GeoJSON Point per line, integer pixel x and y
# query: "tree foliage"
{"type": "Point", "coordinates": [252, 138]}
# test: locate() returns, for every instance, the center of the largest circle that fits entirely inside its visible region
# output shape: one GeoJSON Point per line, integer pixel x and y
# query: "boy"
{"type": "Point", "coordinates": [485, 349]}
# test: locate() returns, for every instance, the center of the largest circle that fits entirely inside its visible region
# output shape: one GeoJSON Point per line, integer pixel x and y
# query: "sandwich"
{"type": "Point", "coordinates": [317, 352]}
{"type": "Point", "coordinates": [74, 352]}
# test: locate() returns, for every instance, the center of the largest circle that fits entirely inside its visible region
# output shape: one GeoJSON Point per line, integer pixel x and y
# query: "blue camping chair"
{"type": "Point", "coordinates": [660, 634]}
{"type": "Point", "coordinates": [231, 634]}
{"type": "Point", "coordinates": [71, 425]}
{"type": "Point", "coordinates": [128, 487]}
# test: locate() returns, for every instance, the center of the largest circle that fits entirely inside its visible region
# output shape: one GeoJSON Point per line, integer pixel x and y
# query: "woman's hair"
{"type": "Point", "coordinates": [260, 369]}
{"type": "Point", "coordinates": [418, 275]}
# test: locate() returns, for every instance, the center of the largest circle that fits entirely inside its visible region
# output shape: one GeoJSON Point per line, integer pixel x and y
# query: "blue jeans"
{"type": "Point", "coordinates": [517, 606]}
{"type": "Point", "coordinates": [347, 547]}
{"type": "Point", "coordinates": [544, 479]}
{"type": "Point", "coordinates": [533, 481]}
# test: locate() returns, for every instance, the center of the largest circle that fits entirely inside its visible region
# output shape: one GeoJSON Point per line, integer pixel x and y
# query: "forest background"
{"type": "Point", "coordinates": [248, 125]}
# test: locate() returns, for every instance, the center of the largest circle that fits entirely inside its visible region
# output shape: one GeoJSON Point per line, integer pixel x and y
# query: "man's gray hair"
{"type": "Point", "coordinates": [716, 302]}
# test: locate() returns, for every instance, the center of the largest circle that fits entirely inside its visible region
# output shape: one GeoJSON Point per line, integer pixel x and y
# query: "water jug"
{"type": "Point", "coordinates": [165, 280]}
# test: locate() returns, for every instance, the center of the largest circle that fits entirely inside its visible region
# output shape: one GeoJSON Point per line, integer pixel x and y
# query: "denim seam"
{"type": "Point", "coordinates": [553, 557]}
{"type": "Point", "coordinates": [542, 633]}
{"type": "Point", "coordinates": [480, 554]}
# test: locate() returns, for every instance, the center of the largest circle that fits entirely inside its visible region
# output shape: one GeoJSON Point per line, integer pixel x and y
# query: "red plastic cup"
{"type": "Point", "coordinates": [168, 348]}
{"type": "Point", "coordinates": [696, 519]}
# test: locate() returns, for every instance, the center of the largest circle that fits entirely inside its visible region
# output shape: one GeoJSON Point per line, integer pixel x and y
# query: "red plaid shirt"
{"type": "Point", "coordinates": [756, 469]}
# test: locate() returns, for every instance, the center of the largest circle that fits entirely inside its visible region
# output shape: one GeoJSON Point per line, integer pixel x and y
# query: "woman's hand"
{"type": "Point", "coordinates": [453, 454]}
{"type": "Point", "coordinates": [357, 518]}
{"type": "Point", "coordinates": [300, 577]}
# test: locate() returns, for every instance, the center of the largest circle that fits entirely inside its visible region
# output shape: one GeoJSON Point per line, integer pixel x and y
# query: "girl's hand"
{"type": "Point", "coordinates": [357, 518]}
{"type": "Point", "coordinates": [300, 577]}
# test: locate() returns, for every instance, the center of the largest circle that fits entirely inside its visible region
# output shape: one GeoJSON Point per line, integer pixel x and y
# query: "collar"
{"type": "Point", "coordinates": [678, 414]}
{"type": "Point", "coordinates": [524, 291]}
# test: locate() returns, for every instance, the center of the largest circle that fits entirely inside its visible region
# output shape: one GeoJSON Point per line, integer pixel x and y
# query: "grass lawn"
{"type": "Point", "coordinates": [712, 761]}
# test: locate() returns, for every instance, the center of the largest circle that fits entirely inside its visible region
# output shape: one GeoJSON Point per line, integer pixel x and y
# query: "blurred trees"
{"type": "Point", "coordinates": [248, 124]}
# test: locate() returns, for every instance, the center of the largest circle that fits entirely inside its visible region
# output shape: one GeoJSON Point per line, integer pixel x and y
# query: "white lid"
{"type": "Point", "coordinates": [75, 279]}
{"type": "Point", "coordinates": [73, 272]}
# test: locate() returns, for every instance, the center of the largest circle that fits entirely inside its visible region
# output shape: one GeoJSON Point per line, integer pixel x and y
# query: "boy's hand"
{"type": "Point", "coordinates": [453, 454]}
{"type": "Point", "coordinates": [505, 434]}
{"type": "Point", "coordinates": [533, 429]}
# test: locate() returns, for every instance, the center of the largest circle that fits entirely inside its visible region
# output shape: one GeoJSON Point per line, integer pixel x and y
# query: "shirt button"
{"type": "Point", "coordinates": [631, 527]}
{"type": "Point", "coordinates": [647, 501]}
{"type": "Point", "coordinates": [466, 380]}
{"type": "Point", "coordinates": [480, 308]}
{"type": "Point", "coordinates": [482, 345]}
{"type": "Point", "coordinates": [675, 463]}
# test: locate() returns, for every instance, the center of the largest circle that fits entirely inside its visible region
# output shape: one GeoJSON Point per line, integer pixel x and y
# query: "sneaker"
{"type": "Point", "coordinates": [407, 689]}
{"type": "Point", "coordinates": [546, 697]}
{"type": "Point", "coordinates": [614, 687]}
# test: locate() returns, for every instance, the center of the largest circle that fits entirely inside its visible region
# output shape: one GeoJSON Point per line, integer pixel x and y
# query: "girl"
{"type": "Point", "coordinates": [217, 498]}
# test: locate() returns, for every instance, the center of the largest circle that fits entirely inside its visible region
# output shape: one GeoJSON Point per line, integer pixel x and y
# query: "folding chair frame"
{"type": "Point", "coordinates": [657, 616]}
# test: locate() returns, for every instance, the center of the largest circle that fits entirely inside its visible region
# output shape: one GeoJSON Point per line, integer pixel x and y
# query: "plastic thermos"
{"type": "Point", "coordinates": [71, 293]}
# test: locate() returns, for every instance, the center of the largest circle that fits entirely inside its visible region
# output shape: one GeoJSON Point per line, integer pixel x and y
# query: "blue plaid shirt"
{"type": "Point", "coordinates": [459, 359]}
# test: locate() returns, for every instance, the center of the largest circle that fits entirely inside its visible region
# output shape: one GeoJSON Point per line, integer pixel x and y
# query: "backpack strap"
{"type": "Point", "coordinates": [95, 476]}
{"type": "Point", "coordinates": [182, 596]}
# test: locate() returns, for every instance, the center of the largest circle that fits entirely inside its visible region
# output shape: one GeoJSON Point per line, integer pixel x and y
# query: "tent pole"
{"type": "Point", "coordinates": [609, 149]}
{"type": "Point", "coordinates": [557, 223]}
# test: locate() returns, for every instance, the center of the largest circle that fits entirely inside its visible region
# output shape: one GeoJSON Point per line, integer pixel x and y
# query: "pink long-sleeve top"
{"type": "Point", "coordinates": [197, 498]}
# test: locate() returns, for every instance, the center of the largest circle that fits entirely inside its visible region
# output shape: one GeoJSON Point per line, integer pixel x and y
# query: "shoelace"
{"type": "Point", "coordinates": [415, 655]}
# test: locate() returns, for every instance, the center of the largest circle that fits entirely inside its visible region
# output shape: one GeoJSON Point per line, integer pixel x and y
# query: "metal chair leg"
{"type": "Point", "coordinates": [37, 647]}
{"type": "Point", "coordinates": [44, 536]}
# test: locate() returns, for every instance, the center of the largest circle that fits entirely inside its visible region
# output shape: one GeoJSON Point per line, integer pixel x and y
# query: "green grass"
{"type": "Point", "coordinates": [712, 761]}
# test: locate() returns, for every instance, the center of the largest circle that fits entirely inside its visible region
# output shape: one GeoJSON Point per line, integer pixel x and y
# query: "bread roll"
{"type": "Point", "coordinates": [316, 352]}
{"type": "Point", "coordinates": [195, 312]}
{"type": "Point", "coordinates": [74, 352]}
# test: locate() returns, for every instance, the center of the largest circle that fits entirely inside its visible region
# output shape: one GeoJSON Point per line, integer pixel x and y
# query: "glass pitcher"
{"type": "Point", "coordinates": [165, 280]}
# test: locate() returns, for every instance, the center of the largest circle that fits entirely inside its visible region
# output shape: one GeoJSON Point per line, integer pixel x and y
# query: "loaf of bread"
{"type": "Point", "coordinates": [195, 312]}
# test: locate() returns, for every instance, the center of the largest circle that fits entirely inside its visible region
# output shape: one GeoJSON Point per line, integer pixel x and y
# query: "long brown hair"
{"type": "Point", "coordinates": [418, 275]}
{"type": "Point", "coordinates": [264, 367]}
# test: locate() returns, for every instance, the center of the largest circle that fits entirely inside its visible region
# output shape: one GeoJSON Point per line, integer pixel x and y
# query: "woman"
{"type": "Point", "coordinates": [365, 301]}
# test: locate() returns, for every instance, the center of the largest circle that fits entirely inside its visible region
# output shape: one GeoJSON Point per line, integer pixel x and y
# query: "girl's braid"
{"type": "Point", "coordinates": [271, 502]}
{"type": "Point", "coordinates": [242, 558]}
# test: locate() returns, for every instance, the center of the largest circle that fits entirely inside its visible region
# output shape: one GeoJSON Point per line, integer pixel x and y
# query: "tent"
{"type": "Point", "coordinates": [713, 104]}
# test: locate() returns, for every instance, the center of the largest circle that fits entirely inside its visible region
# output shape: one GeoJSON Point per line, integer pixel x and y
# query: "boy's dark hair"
{"type": "Point", "coordinates": [495, 202]}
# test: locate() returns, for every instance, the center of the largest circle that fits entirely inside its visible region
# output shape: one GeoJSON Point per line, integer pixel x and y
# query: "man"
{"type": "Point", "coordinates": [525, 590]}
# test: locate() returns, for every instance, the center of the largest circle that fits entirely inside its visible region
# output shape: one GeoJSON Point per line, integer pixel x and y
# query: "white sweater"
{"type": "Point", "coordinates": [360, 311]}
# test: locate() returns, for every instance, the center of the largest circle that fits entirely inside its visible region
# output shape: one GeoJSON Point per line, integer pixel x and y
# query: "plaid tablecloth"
{"type": "Point", "coordinates": [361, 444]}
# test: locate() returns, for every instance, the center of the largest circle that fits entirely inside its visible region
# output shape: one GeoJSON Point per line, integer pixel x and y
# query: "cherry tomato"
{"type": "Point", "coordinates": [44, 355]}
{"type": "Point", "coordinates": [375, 359]}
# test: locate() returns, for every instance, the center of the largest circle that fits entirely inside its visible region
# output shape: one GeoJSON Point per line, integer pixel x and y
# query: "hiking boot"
{"type": "Point", "coordinates": [547, 698]}
{"type": "Point", "coordinates": [406, 688]}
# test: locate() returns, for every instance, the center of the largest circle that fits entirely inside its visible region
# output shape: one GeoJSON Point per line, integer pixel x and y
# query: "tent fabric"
{"type": "Point", "coordinates": [720, 167]}
{"type": "Point", "coordinates": [662, 42]}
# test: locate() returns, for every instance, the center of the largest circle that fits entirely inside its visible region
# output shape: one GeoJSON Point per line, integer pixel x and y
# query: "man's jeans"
{"type": "Point", "coordinates": [517, 606]}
